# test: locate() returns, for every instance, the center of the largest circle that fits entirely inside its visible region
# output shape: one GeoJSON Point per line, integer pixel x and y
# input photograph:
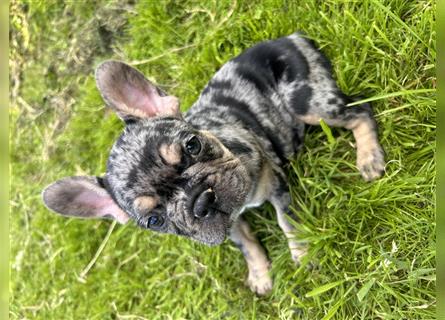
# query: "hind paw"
{"type": "Point", "coordinates": [371, 163]}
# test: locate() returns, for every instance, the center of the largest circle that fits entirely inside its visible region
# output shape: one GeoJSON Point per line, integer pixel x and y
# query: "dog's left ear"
{"type": "Point", "coordinates": [131, 95]}
{"type": "Point", "coordinates": [82, 197]}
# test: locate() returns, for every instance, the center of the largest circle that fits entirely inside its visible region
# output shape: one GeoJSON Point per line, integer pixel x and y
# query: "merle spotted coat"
{"type": "Point", "coordinates": [194, 174]}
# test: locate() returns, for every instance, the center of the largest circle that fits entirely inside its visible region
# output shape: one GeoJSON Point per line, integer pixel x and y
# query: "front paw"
{"type": "Point", "coordinates": [259, 283]}
{"type": "Point", "coordinates": [371, 163]}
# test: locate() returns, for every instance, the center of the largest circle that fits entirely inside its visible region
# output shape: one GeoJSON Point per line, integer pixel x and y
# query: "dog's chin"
{"type": "Point", "coordinates": [214, 230]}
{"type": "Point", "coordinates": [213, 242]}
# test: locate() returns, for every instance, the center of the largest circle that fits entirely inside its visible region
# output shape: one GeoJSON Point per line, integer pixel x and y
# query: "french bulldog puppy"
{"type": "Point", "coordinates": [194, 174]}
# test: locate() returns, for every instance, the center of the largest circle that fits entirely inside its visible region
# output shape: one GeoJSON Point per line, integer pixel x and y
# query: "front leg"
{"type": "Point", "coordinates": [258, 279]}
{"type": "Point", "coordinates": [281, 201]}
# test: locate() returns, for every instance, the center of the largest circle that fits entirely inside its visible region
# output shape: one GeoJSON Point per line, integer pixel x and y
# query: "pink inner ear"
{"type": "Point", "coordinates": [148, 101]}
{"type": "Point", "coordinates": [102, 205]}
{"type": "Point", "coordinates": [113, 210]}
{"type": "Point", "coordinates": [127, 91]}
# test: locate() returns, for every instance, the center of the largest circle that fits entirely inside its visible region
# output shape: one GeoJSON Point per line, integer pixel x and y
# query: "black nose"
{"type": "Point", "coordinates": [202, 203]}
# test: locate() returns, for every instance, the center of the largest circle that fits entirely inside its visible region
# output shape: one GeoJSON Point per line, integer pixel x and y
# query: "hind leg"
{"type": "Point", "coordinates": [359, 119]}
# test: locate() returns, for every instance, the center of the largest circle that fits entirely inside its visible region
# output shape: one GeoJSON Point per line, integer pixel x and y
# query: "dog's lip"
{"type": "Point", "coordinates": [219, 210]}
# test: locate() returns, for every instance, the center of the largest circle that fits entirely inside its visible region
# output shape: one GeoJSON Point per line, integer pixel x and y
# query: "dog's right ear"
{"type": "Point", "coordinates": [131, 95]}
{"type": "Point", "coordinates": [82, 197]}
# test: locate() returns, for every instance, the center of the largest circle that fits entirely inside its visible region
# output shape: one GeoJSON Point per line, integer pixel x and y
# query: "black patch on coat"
{"type": "Point", "coordinates": [261, 82]}
{"type": "Point", "coordinates": [281, 57]}
{"type": "Point", "coordinates": [297, 65]}
{"type": "Point", "coordinates": [332, 101]}
{"type": "Point", "coordinates": [299, 99]}
{"type": "Point", "coordinates": [213, 118]}
{"type": "Point", "coordinates": [150, 159]}
{"type": "Point", "coordinates": [217, 85]}
{"type": "Point", "coordinates": [213, 123]}
{"type": "Point", "coordinates": [236, 147]}
{"type": "Point", "coordinates": [242, 112]}
{"type": "Point", "coordinates": [260, 56]}
{"type": "Point", "coordinates": [163, 125]}
{"type": "Point", "coordinates": [278, 66]}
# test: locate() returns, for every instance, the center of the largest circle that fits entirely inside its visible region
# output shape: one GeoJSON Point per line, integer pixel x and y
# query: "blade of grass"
{"type": "Point", "coordinates": [319, 290]}
{"type": "Point", "coordinates": [361, 294]}
{"type": "Point", "coordinates": [327, 132]}
{"type": "Point", "coordinates": [390, 95]}
{"type": "Point", "coordinates": [98, 252]}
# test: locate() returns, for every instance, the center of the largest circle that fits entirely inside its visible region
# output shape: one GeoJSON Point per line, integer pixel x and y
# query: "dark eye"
{"type": "Point", "coordinates": [154, 221]}
{"type": "Point", "coordinates": [193, 146]}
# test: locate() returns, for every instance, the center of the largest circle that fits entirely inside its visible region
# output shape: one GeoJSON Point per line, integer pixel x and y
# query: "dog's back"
{"type": "Point", "coordinates": [265, 90]}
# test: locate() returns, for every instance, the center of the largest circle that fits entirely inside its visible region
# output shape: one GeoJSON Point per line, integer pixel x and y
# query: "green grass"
{"type": "Point", "coordinates": [372, 245]}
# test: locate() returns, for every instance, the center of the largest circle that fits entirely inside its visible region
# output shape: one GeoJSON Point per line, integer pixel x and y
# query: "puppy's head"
{"type": "Point", "coordinates": [163, 173]}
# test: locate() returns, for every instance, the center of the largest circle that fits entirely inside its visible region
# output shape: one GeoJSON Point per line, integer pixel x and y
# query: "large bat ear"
{"type": "Point", "coordinates": [131, 95]}
{"type": "Point", "coordinates": [82, 197]}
